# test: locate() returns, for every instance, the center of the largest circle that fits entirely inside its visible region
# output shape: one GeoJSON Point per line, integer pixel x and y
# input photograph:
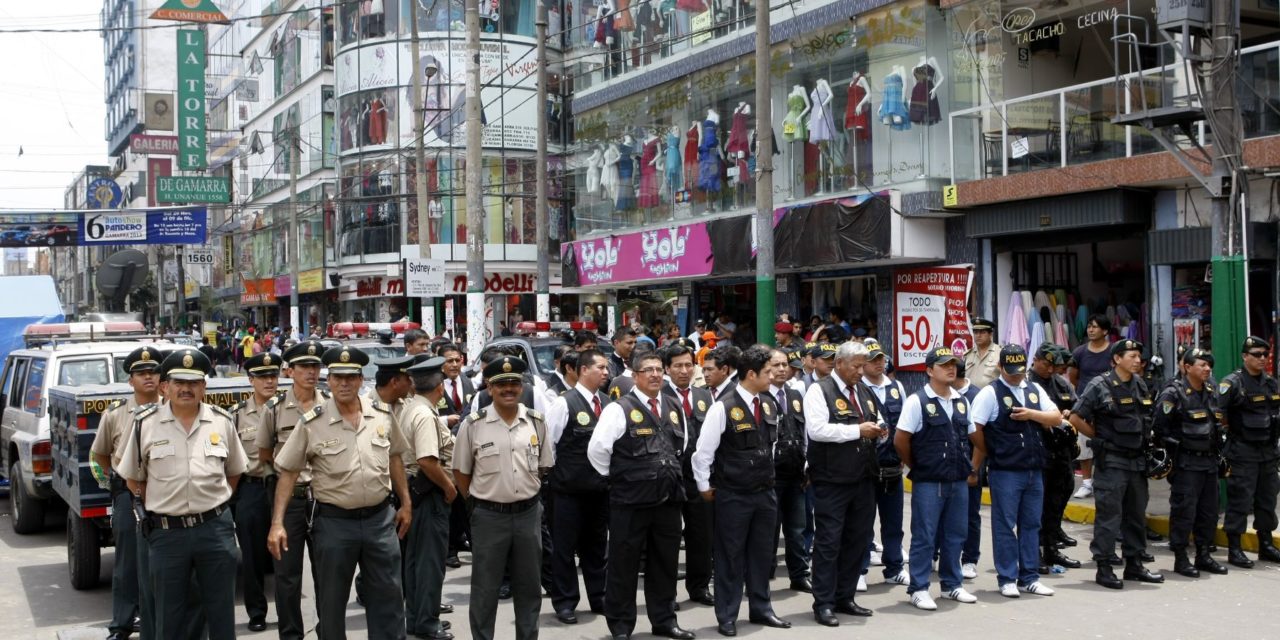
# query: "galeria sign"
{"type": "Point", "coordinates": [191, 100]}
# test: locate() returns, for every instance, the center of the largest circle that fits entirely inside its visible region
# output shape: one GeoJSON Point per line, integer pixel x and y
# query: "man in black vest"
{"type": "Point", "coordinates": [1062, 444]}
{"type": "Point", "coordinates": [458, 392]}
{"type": "Point", "coordinates": [637, 445]}
{"type": "Point", "coordinates": [1012, 417]}
{"type": "Point", "coordinates": [789, 473]}
{"type": "Point", "coordinates": [842, 425]}
{"type": "Point", "coordinates": [560, 379]}
{"type": "Point", "coordinates": [720, 369]}
{"type": "Point", "coordinates": [1186, 424]}
{"type": "Point", "coordinates": [1113, 410]}
{"type": "Point", "coordinates": [733, 466]}
{"type": "Point", "coordinates": [581, 521]}
{"type": "Point", "coordinates": [624, 342]}
{"type": "Point", "coordinates": [694, 402]}
{"type": "Point", "coordinates": [888, 395]}
{"type": "Point", "coordinates": [934, 437]}
{"type": "Point", "coordinates": [1251, 399]}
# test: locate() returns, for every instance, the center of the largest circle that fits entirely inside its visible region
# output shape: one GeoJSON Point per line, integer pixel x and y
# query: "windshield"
{"type": "Point", "coordinates": [81, 372]}
{"type": "Point", "coordinates": [545, 355]}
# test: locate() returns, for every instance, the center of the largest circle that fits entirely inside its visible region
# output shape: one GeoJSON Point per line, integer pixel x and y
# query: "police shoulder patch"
{"type": "Point", "coordinates": [116, 404]}
{"type": "Point", "coordinates": [534, 414]}
{"type": "Point", "coordinates": [324, 393]}
{"type": "Point", "coordinates": [314, 413]}
{"type": "Point", "coordinates": [476, 416]}
{"type": "Point", "coordinates": [1224, 386]}
{"type": "Point", "coordinates": [220, 411]}
{"type": "Point", "coordinates": [145, 411]}
{"type": "Point", "coordinates": [275, 400]}
{"type": "Point", "coordinates": [1166, 406]}
{"type": "Point", "coordinates": [380, 406]}
{"type": "Point", "coordinates": [238, 406]}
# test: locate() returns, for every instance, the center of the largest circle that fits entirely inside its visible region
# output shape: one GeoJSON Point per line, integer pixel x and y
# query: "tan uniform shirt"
{"type": "Point", "coordinates": [397, 407]}
{"type": "Point", "coordinates": [248, 421]}
{"type": "Point", "coordinates": [982, 371]}
{"type": "Point", "coordinates": [350, 464]}
{"type": "Point", "coordinates": [186, 471]}
{"type": "Point", "coordinates": [427, 434]}
{"type": "Point", "coordinates": [116, 423]}
{"type": "Point", "coordinates": [502, 459]}
{"type": "Point", "coordinates": [278, 423]}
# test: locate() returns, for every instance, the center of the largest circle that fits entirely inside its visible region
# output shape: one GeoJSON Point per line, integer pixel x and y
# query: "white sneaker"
{"type": "Point", "coordinates": [876, 560]}
{"type": "Point", "coordinates": [862, 584]}
{"type": "Point", "coordinates": [1037, 588]}
{"type": "Point", "coordinates": [969, 570]}
{"type": "Point", "coordinates": [921, 600]}
{"type": "Point", "coordinates": [901, 578]}
{"type": "Point", "coordinates": [1085, 491]}
{"type": "Point", "coordinates": [960, 595]}
{"type": "Point", "coordinates": [1009, 590]}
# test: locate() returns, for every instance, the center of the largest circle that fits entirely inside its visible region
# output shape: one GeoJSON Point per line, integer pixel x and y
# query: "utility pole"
{"type": "Point", "coordinates": [420, 154]}
{"type": "Point", "coordinates": [540, 217]}
{"type": "Point", "coordinates": [295, 246]}
{"type": "Point", "coordinates": [475, 199]}
{"type": "Point", "coordinates": [766, 284]}
{"type": "Point", "coordinates": [1230, 298]}
{"type": "Point", "coordinates": [180, 256]}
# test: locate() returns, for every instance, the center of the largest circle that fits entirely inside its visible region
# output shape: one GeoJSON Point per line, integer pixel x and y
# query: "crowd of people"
{"type": "Point", "coordinates": [602, 468]}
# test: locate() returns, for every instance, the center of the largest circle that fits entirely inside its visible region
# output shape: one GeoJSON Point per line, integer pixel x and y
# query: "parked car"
{"type": "Point", "coordinates": [57, 234]}
{"type": "Point", "coordinates": [15, 237]}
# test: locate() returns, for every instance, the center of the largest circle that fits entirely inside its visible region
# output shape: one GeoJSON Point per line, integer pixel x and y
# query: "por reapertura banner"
{"type": "Point", "coordinates": [930, 310]}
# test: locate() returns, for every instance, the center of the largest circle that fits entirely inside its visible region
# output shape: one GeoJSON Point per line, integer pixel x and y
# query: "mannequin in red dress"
{"type": "Point", "coordinates": [690, 154]}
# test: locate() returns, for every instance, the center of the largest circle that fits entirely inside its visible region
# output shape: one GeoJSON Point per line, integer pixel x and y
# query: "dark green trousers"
{"type": "Point", "coordinates": [426, 545]}
{"type": "Point", "coordinates": [342, 544]}
{"type": "Point", "coordinates": [193, 575]}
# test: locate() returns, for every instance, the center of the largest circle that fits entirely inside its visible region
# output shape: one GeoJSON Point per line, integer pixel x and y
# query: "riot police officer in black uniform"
{"type": "Point", "coordinates": [1250, 399]}
{"type": "Point", "coordinates": [1113, 410]}
{"type": "Point", "coordinates": [1186, 424]}
{"type": "Point", "coordinates": [1062, 447]}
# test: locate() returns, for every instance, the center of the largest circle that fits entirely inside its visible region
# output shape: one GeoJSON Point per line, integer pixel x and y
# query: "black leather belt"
{"type": "Point", "coordinates": [185, 522]}
{"type": "Point", "coordinates": [507, 507]}
{"type": "Point", "coordinates": [331, 511]}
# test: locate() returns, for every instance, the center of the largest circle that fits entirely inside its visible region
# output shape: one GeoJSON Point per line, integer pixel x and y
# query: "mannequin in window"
{"type": "Point", "coordinates": [364, 123]}
{"type": "Point", "coordinates": [377, 19]}
{"type": "Point", "coordinates": [671, 177]}
{"type": "Point", "coordinates": [435, 216]}
{"type": "Point", "coordinates": [691, 138]}
{"type": "Point", "coordinates": [607, 36]}
{"type": "Point", "coordinates": [625, 23]}
{"type": "Point", "coordinates": [822, 129]}
{"type": "Point", "coordinates": [595, 164]}
{"type": "Point", "coordinates": [709, 157]}
{"type": "Point", "coordinates": [893, 108]}
{"type": "Point", "coordinates": [377, 120]}
{"type": "Point", "coordinates": [794, 130]}
{"type": "Point", "coordinates": [650, 160]}
{"type": "Point", "coordinates": [738, 149]}
{"type": "Point", "coordinates": [857, 126]}
{"type": "Point", "coordinates": [609, 173]}
{"type": "Point", "coordinates": [626, 198]}
{"type": "Point", "coordinates": [924, 95]}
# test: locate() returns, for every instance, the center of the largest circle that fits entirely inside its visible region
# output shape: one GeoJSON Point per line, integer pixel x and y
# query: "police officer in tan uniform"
{"type": "Point", "coordinates": [499, 458]}
{"type": "Point", "coordinates": [143, 365]}
{"type": "Point", "coordinates": [183, 460]}
{"type": "Point", "coordinates": [353, 448]}
{"type": "Point", "coordinates": [279, 417]}
{"type": "Point", "coordinates": [427, 463]}
{"type": "Point", "coordinates": [252, 503]}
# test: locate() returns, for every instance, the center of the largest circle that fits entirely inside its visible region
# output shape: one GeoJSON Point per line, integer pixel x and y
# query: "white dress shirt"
{"type": "Point", "coordinates": [556, 428]}
{"type": "Point", "coordinates": [709, 440]}
{"type": "Point", "coordinates": [911, 419]}
{"type": "Point", "coordinates": [986, 409]}
{"type": "Point", "coordinates": [817, 419]}
{"type": "Point", "coordinates": [611, 426]}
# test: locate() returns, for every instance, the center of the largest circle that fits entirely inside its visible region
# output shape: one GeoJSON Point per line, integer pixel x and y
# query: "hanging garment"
{"type": "Point", "coordinates": [1017, 326]}
{"type": "Point", "coordinates": [623, 21]}
{"type": "Point", "coordinates": [377, 122]}
{"type": "Point", "coordinates": [692, 6]}
{"type": "Point", "coordinates": [924, 104]}
{"type": "Point", "coordinates": [853, 121]}
{"type": "Point", "coordinates": [690, 155]}
{"type": "Point", "coordinates": [1037, 337]}
{"type": "Point", "coordinates": [595, 163]}
{"type": "Point", "coordinates": [793, 124]}
{"type": "Point", "coordinates": [709, 158]}
{"type": "Point", "coordinates": [892, 111]}
{"type": "Point", "coordinates": [738, 135]}
{"type": "Point", "coordinates": [821, 125]}
{"type": "Point", "coordinates": [1060, 335]}
{"type": "Point", "coordinates": [673, 162]}
{"type": "Point", "coordinates": [649, 175]}
{"type": "Point", "coordinates": [626, 182]}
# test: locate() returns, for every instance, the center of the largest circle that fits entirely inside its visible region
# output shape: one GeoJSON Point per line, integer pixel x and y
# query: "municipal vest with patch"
{"type": "Point", "coordinates": [573, 472]}
{"type": "Point", "coordinates": [644, 469]}
{"type": "Point", "coordinates": [1252, 416]}
{"type": "Point", "coordinates": [744, 459]}
{"type": "Point", "coordinates": [844, 462]}
{"type": "Point", "coordinates": [1123, 423]}
{"type": "Point", "coordinates": [1015, 445]}
{"type": "Point", "coordinates": [699, 401]}
{"type": "Point", "coordinates": [788, 453]}
{"type": "Point", "coordinates": [890, 409]}
{"type": "Point", "coordinates": [941, 446]}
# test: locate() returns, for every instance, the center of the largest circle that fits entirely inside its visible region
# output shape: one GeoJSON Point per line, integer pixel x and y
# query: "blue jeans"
{"type": "Point", "coordinates": [792, 519]}
{"type": "Point", "coordinates": [889, 505]}
{"type": "Point", "coordinates": [1017, 501]}
{"type": "Point", "coordinates": [973, 539]}
{"type": "Point", "coordinates": [937, 509]}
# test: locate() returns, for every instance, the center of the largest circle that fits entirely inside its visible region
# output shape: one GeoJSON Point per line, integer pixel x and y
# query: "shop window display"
{"type": "Point", "coordinates": [367, 19]}
{"type": "Point", "coordinates": [370, 211]}
{"type": "Point", "coordinates": [367, 119]}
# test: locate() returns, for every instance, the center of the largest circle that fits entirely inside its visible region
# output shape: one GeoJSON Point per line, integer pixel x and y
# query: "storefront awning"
{"type": "Point", "coordinates": [1191, 245]}
{"type": "Point", "coordinates": [1077, 211]}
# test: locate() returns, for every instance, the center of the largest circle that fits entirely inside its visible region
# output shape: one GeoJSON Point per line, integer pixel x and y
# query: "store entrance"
{"type": "Point", "coordinates": [851, 298]}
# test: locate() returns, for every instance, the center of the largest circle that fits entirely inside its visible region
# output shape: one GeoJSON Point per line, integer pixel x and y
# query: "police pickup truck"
{"type": "Point", "coordinates": [74, 413]}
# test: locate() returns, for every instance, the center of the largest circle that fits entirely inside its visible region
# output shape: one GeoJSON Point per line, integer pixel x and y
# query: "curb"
{"type": "Point", "coordinates": [1082, 513]}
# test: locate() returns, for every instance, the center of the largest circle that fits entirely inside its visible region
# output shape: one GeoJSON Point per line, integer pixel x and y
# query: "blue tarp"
{"type": "Point", "coordinates": [27, 300]}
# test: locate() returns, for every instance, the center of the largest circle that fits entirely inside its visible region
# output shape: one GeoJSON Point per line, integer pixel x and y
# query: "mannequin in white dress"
{"type": "Point", "coordinates": [595, 163]}
{"type": "Point", "coordinates": [609, 172]}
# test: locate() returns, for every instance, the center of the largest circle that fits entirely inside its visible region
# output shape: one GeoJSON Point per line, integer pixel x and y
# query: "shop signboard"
{"type": "Point", "coordinates": [190, 11]}
{"type": "Point", "coordinates": [186, 226]}
{"type": "Point", "coordinates": [192, 152]}
{"type": "Point", "coordinates": [282, 286]}
{"type": "Point", "coordinates": [192, 189]}
{"type": "Point", "coordinates": [682, 251]}
{"type": "Point", "coordinates": [930, 310]}
{"type": "Point", "coordinates": [103, 193]}
{"type": "Point", "coordinates": [311, 281]}
{"type": "Point", "coordinates": [258, 292]}
{"type": "Point", "coordinates": [146, 144]}
{"type": "Point", "coordinates": [156, 169]}
{"type": "Point", "coordinates": [425, 278]}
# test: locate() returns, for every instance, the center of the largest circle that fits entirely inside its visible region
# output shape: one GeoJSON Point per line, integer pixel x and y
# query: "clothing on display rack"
{"type": "Point", "coordinates": [623, 20]}
{"type": "Point", "coordinates": [821, 125]}
{"type": "Point", "coordinates": [854, 121]}
{"type": "Point", "coordinates": [673, 162]}
{"type": "Point", "coordinates": [892, 110]}
{"type": "Point", "coordinates": [924, 104]}
{"type": "Point", "coordinates": [377, 122]}
{"type": "Point", "coordinates": [649, 174]}
{"type": "Point", "coordinates": [595, 164]}
{"type": "Point", "coordinates": [709, 158]}
{"type": "Point", "coordinates": [692, 6]}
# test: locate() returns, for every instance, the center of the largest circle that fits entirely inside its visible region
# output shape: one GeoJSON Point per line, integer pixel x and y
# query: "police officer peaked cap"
{"type": "Point", "coordinates": [427, 367]}
{"type": "Point", "coordinates": [142, 359]}
{"type": "Point", "coordinates": [505, 369]}
{"type": "Point", "coordinates": [983, 324]}
{"type": "Point", "coordinates": [345, 361]}
{"type": "Point", "coordinates": [940, 355]}
{"type": "Point", "coordinates": [1048, 352]}
{"type": "Point", "coordinates": [186, 364]}
{"type": "Point", "coordinates": [305, 352]}
{"type": "Point", "coordinates": [825, 350]}
{"type": "Point", "coordinates": [875, 350]}
{"type": "Point", "coordinates": [395, 365]}
{"type": "Point", "coordinates": [263, 364]}
{"type": "Point", "coordinates": [1124, 346]}
{"type": "Point", "coordinates": [1192, 355]}
{"type": "Point", "coordinates": [795, 357]}
{"type": "Point", "coordinates": [1013, 359]}
{"type": "Point", "coordinates": [1254, 342]}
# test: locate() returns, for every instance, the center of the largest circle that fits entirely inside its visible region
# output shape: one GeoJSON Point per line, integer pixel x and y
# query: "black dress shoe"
{"type": "Point", "coordinates": [704, 598]}
{"type": "Point", "coordinates": [566, 616]}
{"type": "Point", "coordinates": [1153, 536]}
{"type": "Point", "coordinates": [771, 620]}
{"type": "Point", "coordinates": [257, 624]}
{"type": "Point", "coordinates": [435, 635]}
{"type": "Point", "coordinates": [1059, 559]}
{"type": "Point", "coordinates": [1044, 569]}
{"type": "Point", "coordinates": [1236, 556]}
{"type": "Point", "coordinates": [1206, 562]}
{"type": "Point", "coordinates": [826, 618]}
{"type": "Point", "coordinates": [453, 562]}
{"type": "Point", "coordinates": [504, 592]}
{"type": "Point", "coordinates": [1266, 550]}
{"type": "Point", "coordinates": [803, 584]}
{"type": "Point", "coordinates": [1107, 577]}
{"type": "Point", "coordinates": [729, 628]}
{"type": "Point", "coordinates": [1066, 539]}
{"type": "Point", "coordinates": [446, 608]}
{"type": "Point", "coordinates": [446, 625]}
{"type": "Point", "coordinates": [136, 624]}
{"type": "Point", "coordinates": [675, 632]}
{"type": "Point", "coordinates": [848, 607]}
{"type": "Point", "coordinates": [1135, 571]}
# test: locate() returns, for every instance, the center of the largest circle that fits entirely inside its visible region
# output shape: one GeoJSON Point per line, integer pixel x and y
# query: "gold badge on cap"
{"type": "Point", "coordinates": [636, 416]}
{"type": "Point", "coordinates": [702, 405]}
{"type": "Point", "coordinates": [841, 405]}
{"type": "Point", "coordinates": [345, 356]}
{"type": "Point", "coordinates": [214, 439]}
{"type": "Point", "coordinates": [188, 361]}
{"type": "Point", "coordinates": [506, 365]}
{"type": "Point", "coordinates": [266, 359]}
{"type": "Point", "coordinates": [146, 355]}
{"type": "Point", "coordinates": [311, 349]}
{"type": "Point", "coordinates": [737, 413]}
{"type": "Point", "coordinates": [583, 418]}
{"type": "Point", "coordinates": [1128, 344]}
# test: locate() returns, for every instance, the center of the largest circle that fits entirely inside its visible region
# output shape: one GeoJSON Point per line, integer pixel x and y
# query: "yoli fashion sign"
{"type": "Point", "coordinates": [678, 251]}
{"type": "Point", "coordinates": [930, 309]}
{"type": "Point", "coordinates": [144, 227]}
{"type": "Point", "coordinates": [191, 100]}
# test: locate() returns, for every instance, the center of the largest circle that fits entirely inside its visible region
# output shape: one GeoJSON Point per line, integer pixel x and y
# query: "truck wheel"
{"type": "Point", "coordinates": [84, 559]}
{"type": "Point", "coordinates": [27, 510]}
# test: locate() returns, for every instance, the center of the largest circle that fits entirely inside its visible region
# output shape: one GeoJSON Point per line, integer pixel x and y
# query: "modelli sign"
{"type": "Point", "coordinates": [191, 106]}
{"type": "Point", "coordinates": [186, 189]}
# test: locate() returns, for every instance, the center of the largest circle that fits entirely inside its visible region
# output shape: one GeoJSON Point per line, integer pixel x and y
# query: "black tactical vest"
{"type": "Point", "coordinates": [1123, 424]}
{"type": "Point", "coordinates": [744, 459]}
{"type": "Point", "coordinates": [941, 446]}
{"type": "Point", "coordinates": [844, 462]}
{"type": "Point", "coordinates": [555, 383]}
{"type": "Point", "coordinates": [644, 470]}
{"type": "Point", "coordinates": [1253, 418]}
{"type": "Point", "coordinates": [1196, 419]}
{"type": "Point", "coordinates": [573, 472]}
{"type": "Point", "coordinates": [1014, 445]}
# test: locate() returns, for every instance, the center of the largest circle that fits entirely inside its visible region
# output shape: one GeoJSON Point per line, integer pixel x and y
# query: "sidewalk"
{"type": "Point", "coordinates": [1081, 510]}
